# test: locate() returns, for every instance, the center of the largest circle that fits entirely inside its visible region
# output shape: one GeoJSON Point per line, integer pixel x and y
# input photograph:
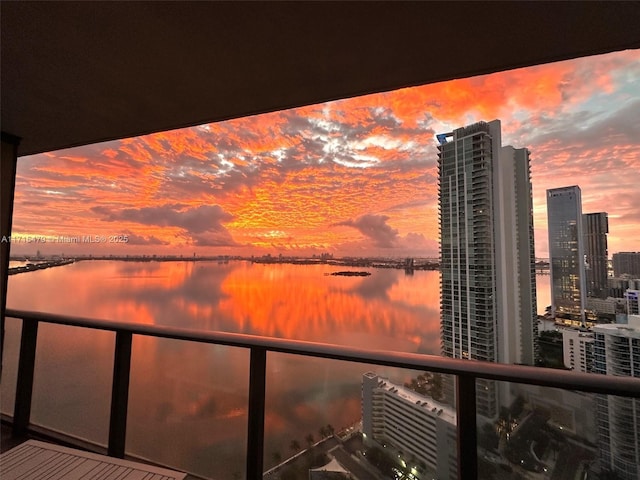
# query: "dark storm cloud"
{"type": "Point", "coordinates": [374, 227]}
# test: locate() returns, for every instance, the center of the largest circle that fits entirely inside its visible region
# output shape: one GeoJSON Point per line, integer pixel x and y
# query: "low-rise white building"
{"type": "Point", "coordinates": [600, 306]}
{"type": "Point", "coordinates": [399, 418]}
{"type": "Point", "coordinates": [577, 349]}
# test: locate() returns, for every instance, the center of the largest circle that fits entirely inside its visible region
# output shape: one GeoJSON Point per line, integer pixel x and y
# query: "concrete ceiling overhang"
{"type": "Point", "coordinates": [75, 73]}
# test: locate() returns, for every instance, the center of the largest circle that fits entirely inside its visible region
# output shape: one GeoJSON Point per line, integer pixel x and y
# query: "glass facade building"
{"type": "Point", "coordinates": [566, 254]}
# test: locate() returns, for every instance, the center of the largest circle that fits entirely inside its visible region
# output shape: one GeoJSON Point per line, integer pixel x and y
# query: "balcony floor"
{"type": "Point", "coordinates": [8, 441]}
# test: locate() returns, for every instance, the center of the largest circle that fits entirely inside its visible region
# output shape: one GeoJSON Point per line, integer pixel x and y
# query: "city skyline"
{"type": "Point", "coordinates": [352, 177]}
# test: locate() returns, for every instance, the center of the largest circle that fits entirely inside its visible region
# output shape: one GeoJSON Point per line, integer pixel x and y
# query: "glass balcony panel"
{"type": "Point", "coordinates": [384, 417]}
{"type": "Point", "coordinates": [188, 406]}
{"type": "Point", "coordinates": [10, 354]}
{"type": "Point", "coordinates": [72, 381]}
{"type": "Point", "coordinates": [307, 401]}
{"type": "Point", "coordinates": [542, 432]}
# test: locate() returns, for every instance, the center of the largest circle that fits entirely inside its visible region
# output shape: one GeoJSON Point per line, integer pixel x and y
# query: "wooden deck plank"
{"type": "Point", "coordinates": [35, 460]}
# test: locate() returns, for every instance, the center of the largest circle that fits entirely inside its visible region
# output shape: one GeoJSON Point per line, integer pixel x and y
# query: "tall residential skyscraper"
{"type": "Point", "coordinates": [617, 352]}
{"type": "Point", "coordinates": [566, 252]}
{"type": "Point", "coordinates": [596, 227]}
{"type": "Point", "coordinates": [487, 260]}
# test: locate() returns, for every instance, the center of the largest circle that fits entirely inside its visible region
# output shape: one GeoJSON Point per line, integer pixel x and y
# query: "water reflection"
{"type": "Point", "coordinates": [188, 402]}
{"type": "Point", "coordinates": [292, 301]}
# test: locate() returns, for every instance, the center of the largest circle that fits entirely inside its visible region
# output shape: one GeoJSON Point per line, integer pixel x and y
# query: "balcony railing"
{"type": "Point", "coordinates": [466, 372]}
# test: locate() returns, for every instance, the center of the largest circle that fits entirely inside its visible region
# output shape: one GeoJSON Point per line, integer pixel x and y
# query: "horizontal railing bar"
{"type": "Point", "coordinates": [545, 377]}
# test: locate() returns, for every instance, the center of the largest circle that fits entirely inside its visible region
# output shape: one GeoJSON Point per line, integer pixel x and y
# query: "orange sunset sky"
{"type": "Point", "coordinates": [351, 177]}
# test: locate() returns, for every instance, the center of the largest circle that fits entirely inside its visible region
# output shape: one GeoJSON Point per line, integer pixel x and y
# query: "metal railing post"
{"type": "Point", "coordinates": [8, 162]}
{"type": "Point", "coordinates": [255, 432]}
{"type": "Point", "coordinates": [24, 385]}
{"type": "Point", "coordinates": [466, 427]}
{"type": "Point", "coordinates": [120, 394]}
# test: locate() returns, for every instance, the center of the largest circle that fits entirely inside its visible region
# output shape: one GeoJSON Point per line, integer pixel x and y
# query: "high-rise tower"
{"type": "Point", "coordinates": [487, 263]}
{"type": "Point", "coordinates": [596, 227]}
{"type": "Point", "coordinates": [566, 252]}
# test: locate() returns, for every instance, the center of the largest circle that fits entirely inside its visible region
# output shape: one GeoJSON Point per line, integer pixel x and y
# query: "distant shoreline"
{"type": "Point", "coordinates": [408, 264]}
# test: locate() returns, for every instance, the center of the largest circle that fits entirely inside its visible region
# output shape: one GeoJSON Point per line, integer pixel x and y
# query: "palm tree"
{"type": "Point", "coordinates": [436, 387]}
{"type": "Point", "coordinates": [294, 445]}
{"type": "Point", "coordinates": [324, 432]}
{"type": "Point", "coordinates": [309, 439]}
{"type": "Point", "coordinates": [277, 458]}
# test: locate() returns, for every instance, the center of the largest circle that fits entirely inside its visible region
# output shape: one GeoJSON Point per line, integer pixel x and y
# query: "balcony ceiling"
{"type": "Point", "coordinates": [79, 73]}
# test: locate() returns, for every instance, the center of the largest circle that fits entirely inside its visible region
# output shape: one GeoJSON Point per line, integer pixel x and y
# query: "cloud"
{"type": "Point", "coordinates": [134, 239]}
{"type": "Point", "coordinates": [592, 129]}
{"type": "Point", "coordinates": [220, 238]}
{"type": "Point", "coordinates": [203, 224]}
{"type": "Point", "coordinates": [417, 242]}
{"type": "Point", "coordinates": [374, 227]}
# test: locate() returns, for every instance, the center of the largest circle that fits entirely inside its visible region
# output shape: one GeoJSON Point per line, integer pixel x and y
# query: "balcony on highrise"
{"type": "Point", "coordinates": [76, 73]}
